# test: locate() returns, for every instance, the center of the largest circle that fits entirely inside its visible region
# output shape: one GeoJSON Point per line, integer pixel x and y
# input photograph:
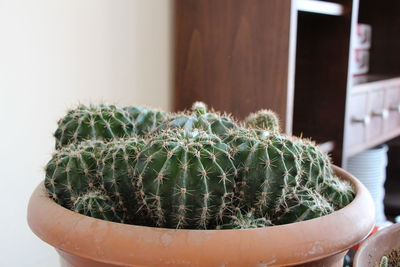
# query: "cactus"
{"type": "Point", "coordinates": [72, 171]}
{"type": "Point", "coordinates": [116, 171]}
{"type": "Point", "coordinates": [316, 165]}
{"type": "Point", "coordinates": [146, 120]}
{"type": "Point", "coordinates": [194, 170]}
{"type": "Point", "coordinates": [272, 166]}
{"type": "Point", "coordinates": [300, 205]}
{"type": "Point", "coordinates": [185, 179]}
{"type": "Point", "coordinates": [384, 262]}
{"type": "Point", "coordinates": [102, 122]}
{"type": "Point", "coordinates": [97, 205]}
{"type": "Point", "coordinates": [247, 221]}
{"type": "Point", "coordinates": [77, 169]}
{"type": "Point", "coordinates": [338, 192]}
{"type": "Point", "coordinates": [200, 118]}
{"type": "Point", "coordinates": [264, 119]}
{"type": "Point", "coordinates": [268, 167]}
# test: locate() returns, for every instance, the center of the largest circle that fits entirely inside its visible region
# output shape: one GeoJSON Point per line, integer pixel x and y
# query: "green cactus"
{"type": "Point", "coordinates": [193, 170]}
{"type": "Point", "coordinates": [272, 166]}
{"type": "Point", "coordinates": [98, 205]}
{"type": "Point", "coordinates": [267, 167]}
{"type": "Point", "coordinates": [102, 122]}
{"type": "Point", "coordinates": [300, 205]}
{"type": "Point", "coordinates": [338, 192]}
{"type": "Point", "coordinates": [72, 171]}
{"type": "Point", "coordinates": [316, 165]}
{"type": "Point", "coordinates": [247, 221]}
{"type": "Point", "coordinates": [264, 119]}
{"type": "Point", "coordinates": [200, 118]}
{"type": "Point", "coordinates": [109, 167]}
{"type": "Point", "coordinates": [116, 171]}
{"type": "Point", "coordinates": [384, 262]}
{"type": "Point", "coordinates": [185, 179]}
{"type": "Point", "coordinates": [146, 119]}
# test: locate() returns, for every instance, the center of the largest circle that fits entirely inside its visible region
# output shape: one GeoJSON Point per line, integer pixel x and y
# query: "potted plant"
{"type": "Point", "coordinates": [381, 249]}
{"type": "Point", "coordinates": [140, 187]}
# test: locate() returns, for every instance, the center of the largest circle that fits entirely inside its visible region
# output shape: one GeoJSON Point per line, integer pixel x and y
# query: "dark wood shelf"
{"type": "Point", "coordinates": [320, 7]}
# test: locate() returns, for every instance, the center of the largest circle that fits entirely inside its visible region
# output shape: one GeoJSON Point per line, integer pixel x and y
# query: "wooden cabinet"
{"type": "Point", "coordinates": [374, 114]}
{"type": "Point", "coordinates": [292, 56]}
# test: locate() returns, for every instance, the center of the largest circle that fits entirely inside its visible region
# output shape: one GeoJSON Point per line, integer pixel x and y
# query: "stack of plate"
{"type": "Point", "coordinates": [370, 168]}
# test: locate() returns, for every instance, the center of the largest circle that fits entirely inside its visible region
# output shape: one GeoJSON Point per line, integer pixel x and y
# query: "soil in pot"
{"type": "Point", "coordinates": [390, 260]}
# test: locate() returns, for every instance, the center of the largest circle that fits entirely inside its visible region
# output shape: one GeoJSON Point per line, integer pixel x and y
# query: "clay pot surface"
{"type": "Point", "coordinates": [378, 245]}
{"type": "Point", "coordinates": [85, 241]}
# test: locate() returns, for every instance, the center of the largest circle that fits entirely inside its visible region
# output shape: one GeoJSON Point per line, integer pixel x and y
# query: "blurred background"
{"type": "Point", "coordinates": [53, 55]}
{"type": "Point", "coordinates": [330, 69]}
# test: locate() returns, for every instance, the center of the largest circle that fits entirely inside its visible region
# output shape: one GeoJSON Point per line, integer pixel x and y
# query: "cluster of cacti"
{"type": "Point", "coordinates": [196, 170]}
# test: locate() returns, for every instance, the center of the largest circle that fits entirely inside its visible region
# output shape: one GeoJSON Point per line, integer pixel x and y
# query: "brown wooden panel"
{"type": "Point", "coordinates": [321, 78]}
{"type": "Point", "coordinates": [232, 54]}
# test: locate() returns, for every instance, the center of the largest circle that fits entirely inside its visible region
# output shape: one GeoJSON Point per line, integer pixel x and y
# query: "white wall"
{"type": "Point", "coordinates": [54, 53]}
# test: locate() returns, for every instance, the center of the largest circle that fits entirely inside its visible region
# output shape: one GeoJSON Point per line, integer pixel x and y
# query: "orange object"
{"type": "Point", "coordinates": [374, 231]}
{"type": "Point", "coordinates": [85, 241]}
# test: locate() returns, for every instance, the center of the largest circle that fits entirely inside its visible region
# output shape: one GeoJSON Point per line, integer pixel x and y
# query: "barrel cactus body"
{"type": "Point", "coordinates": [146, 119]}
{"type": "Point", "coordinates": [72, 171]}
{"type": "Point", "coordinates": [339, 193]}
{"type": "Point", "coordinates": [97, 205]}
{"type": "Point", "coordinates": [316, 165]}
{"type": "Point", "coordinates": [185, 179]}
{"type": "Point", "coordinates": [268, 168]}
{"type": "Point", "coordinates": [116, 171]}
{"type": "Point", "coordinates": [103, 122]}
{"type": "Point", "coordinates": [264, 120]}
{"type": "Point", "coordinates": [200, 118]}
{"type": "Point", "coordinates": [300, 204]}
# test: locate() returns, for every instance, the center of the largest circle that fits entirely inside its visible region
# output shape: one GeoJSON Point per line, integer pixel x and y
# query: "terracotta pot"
{"type": "Point", "coordinates": [378, 245]}
{"type": "Point", "coordinates": [85, 241]}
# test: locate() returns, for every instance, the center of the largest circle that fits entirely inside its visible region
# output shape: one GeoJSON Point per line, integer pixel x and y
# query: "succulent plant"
{"type": "Point", "coordinates": [338, 192]}
{"type": "Point", "coordinates": [102, 122]}
{"type": "Point", "coordinates": [146, 120]}
{"type": "Point", "coordinates": [185, 179]}
{"type": "Point", "coordinates": [98, 205]}
{"type": "Point", "coordinates": [273, 167]}
{"type": "Point", "coordinates": [267, 168]}
{"type": "Point", "coordinates": [94, 165]}
{"type": "Point", "coordinates": [116, 170]}
{"type": "Point", "coordinates": [72, 171]}
{"type": "Point", "coordinates": [264, 119]}
{"type": "Point", "coordinates": [300, 204]}
{"type": "Point", "coordinates": [200, 118]}
{"type": "Point", "coordinates": [194, 170]}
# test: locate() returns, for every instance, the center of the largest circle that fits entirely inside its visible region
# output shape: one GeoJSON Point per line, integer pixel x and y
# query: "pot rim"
{"type": "Point", "coordinates": [364, 252]}
{"type": "Point", "coordinates": [123, 244]}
